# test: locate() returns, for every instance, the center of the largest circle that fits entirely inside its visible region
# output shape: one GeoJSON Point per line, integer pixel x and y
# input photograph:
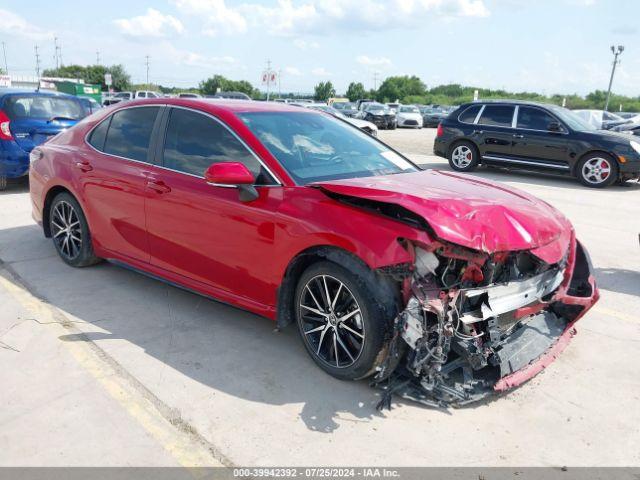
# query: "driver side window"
{"type": "Point", "coordinates": [194, 141]}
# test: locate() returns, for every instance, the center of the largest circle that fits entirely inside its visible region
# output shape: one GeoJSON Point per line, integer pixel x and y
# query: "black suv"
{"type": "Point", "coordinates": [535, 136]}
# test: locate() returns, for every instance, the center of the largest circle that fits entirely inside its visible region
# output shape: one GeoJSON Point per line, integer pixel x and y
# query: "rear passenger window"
{"type": "Point", "coordinates": [470, 114]}
{"type": "Point", "coordinates": [498, 115]}
{"type": "Point", "coordinates": [534, 118]}
{"type": "Point", "coordinates": [194, 141]}
{"type": "Point", "coordinates": [99, 135]}
{"type": "Point", "coordinates": [130, 132]}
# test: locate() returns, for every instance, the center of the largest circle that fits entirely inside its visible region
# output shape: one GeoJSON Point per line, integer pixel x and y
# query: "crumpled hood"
{"type": "Point", "coordinates": [468, 211]}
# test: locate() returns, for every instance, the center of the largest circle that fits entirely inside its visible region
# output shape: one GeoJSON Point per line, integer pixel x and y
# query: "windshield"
{"type": "Point", "coordinates": [45, 107]}
{"type": "Point", "coordinates": [377, 107]}
{"type": "Point", "coordinates": [314, 147]}
{"type": "Point", "coordinates": [571, 119]}
{"type": "Point", "coordinates": [344, 106]}
{"type": "Point", "coordinates": [409, 110]}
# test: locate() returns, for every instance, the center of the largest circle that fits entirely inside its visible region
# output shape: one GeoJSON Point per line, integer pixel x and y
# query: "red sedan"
{"type": "Point", "coordinates": [446, 287]}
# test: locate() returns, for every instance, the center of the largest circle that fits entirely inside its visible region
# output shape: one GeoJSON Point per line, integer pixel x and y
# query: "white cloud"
{"type": "Point", "coordinates": [193, 59]}
{"type": "Point", "coordinates": [321, 16]}
{"type": "Point", "coordinates": [304, 45]}
{"type": "Point", "coordinates": [218, 18]}
{"type": "Point", "coordinates": [293, 71]}
{"type": "Point", "coordinates": [13, 24]}
{"type": "Point", "coordinates": [320, 72]}
{"type": "Point", "coordinates": [379, 62]}
{"type": "Point", "coordinates": [289, 18]}
{"type": "Point", "coordinates": [152, 24]}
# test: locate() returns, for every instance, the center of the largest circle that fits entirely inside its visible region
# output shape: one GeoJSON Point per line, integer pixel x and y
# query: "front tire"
{"type": "Point", "coordinates": [70, 232]}
{"type": "Point", "coordinates": [464, 157]}
{"type": "Point", "coordinates": [597, 170]}
{"type": "Point", "coordinates": [342, 326]}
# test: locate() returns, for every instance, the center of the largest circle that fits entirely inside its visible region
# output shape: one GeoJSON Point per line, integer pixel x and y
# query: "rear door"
{"type": "Point", "coordinates": [494, 133]}
{"type": "Point", "coordinates": [113, 173]}
{"type": "Point", "coordinates": [36, 117]}
{"type": "Point", "coordinates": [535, 145]}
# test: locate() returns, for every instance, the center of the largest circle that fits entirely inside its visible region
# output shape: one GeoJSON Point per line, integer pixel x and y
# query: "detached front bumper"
{"type": "Point", "coordinates": [507, 354]}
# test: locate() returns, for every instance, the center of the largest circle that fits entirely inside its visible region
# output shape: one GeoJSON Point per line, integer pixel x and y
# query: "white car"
{"type": "Point", "coordinates": [409, 116]}
{"type": "Point", "coordinates": [363, 125]}
{"type": "Point", "coordinates": [146, 94]}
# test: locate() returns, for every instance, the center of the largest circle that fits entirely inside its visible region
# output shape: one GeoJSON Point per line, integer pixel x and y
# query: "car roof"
{"type": "Point", "coordinates": [47, 93]}
{"type": "Point", "coordinates": [220, 104]}
{"type": "Point", "coordinates": [510, 102]}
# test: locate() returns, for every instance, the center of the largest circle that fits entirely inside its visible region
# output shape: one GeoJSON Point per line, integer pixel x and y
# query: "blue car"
{"type": "Point", "coordinates": [27, 119]}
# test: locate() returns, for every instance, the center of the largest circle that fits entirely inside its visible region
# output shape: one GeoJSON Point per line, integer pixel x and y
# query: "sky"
{"type": "Point", "coordinates": [548, 46]}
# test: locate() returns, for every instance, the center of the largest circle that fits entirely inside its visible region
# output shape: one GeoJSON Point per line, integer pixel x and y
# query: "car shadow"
{"type": "Point", "coordinates": [227, 349]}
{"type": "Point", "coordinates": [16, 185]}
{"type": "Point", "coordinates": [618, 280]}
{"type": "Point", "coordinates": [529, 177]}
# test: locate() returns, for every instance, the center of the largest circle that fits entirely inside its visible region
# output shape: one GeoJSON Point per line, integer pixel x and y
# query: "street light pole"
{"type": "Point", "coordinates": [4, 52]}
{"type": "Point", "coordinates": [616, 52]}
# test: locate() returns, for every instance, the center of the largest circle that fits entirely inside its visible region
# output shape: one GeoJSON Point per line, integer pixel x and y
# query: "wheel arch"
{"type": "Point", "coordinates": [459, 140]}
{"type": "Point", "coordinates": [48, 199]}
{"type": "Point", "coordinates": [600, 151]}
{"type": "Point", "coordinates": [388, 294]}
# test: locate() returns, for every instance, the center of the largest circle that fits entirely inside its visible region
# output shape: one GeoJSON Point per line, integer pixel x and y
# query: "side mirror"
{"type": "Point", "coordinates": [233, 174]}
{"type": "Point", "coordinates": [554, 127]}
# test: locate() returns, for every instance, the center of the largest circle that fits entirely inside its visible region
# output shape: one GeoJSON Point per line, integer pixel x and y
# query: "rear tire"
{"type": "Point", "coordinates": [352, 312]}
{"type": "Point", "coordinates": [70, 232]}
{"type": "Point", "coordinates": [464, 156]}
{"type": "Point", "coordinates": [597, 170]}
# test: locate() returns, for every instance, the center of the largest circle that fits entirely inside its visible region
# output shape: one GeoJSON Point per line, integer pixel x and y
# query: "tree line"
{"type": "Point", "coordinates": [406, 89]}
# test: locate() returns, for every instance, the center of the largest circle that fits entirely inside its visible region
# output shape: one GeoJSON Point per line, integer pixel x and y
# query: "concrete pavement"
{"type": "Point", "coordinates": [241, 394]}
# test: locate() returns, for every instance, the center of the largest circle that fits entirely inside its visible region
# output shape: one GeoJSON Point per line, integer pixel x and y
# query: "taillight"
{"type": "Point", "coordinates": [5, 132]}
{"type": "Point", "coordinates": [440, 130]}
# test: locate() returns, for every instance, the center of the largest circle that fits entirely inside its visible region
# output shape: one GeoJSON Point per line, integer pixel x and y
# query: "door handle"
{"type": "Point", "coordinates": [158, 186]}
{"type": "Point", "coordinates": [84, 166]}
{"type": "Point", "coordinates": [517, 135]}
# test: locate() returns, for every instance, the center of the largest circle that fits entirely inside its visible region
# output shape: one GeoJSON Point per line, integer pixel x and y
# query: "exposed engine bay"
{"type": "Point", "coordinates": [471, 320]}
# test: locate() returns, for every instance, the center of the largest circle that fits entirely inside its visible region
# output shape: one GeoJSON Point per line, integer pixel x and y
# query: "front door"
{"type": "Point", "coordinates": [536, 144]}
{"type": "Point", "coordinates": [204, 232]}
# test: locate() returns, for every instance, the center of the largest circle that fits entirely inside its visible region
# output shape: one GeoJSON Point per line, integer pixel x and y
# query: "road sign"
{"type": "Point", "coordinates": [107, 79]}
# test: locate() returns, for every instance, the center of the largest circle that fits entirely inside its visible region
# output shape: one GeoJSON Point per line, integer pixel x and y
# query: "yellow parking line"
{"type": "Point", "coordinates": [615, 314]}
{"type": "Point", "coordinates": [185, 447]}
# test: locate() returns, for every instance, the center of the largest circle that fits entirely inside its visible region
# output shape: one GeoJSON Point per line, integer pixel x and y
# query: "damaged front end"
{"type": "Point", "coordinates": [475, 323]}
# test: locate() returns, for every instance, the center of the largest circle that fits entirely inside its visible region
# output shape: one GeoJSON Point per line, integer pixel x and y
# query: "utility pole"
{"type": "Point", "coordinates": [97, 57]}
{"type": "Point", "coordinates": [147, 63]}
{"type": "Point", "coordinates": [4, 52]}
{"type": "Point", "coordinates": [55, 55]}
{"type": "Point", "coordinates": [375, 80]}
{"type": "Point", "coordinates": [616, 52]}
{"type": "Point", "coordinates": [37, 63]}
{"type": "Point", "coordinates": [279, 87]}
{"type": "Point", "coordinates": [268, 78]}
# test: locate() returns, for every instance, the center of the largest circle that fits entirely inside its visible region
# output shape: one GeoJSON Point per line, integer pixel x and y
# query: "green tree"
{"type": "Point", "coordinates": [355, 91]}
{"type": "Point", "coordinates": [397, 88]}
{"type": "Point", "coordinates": [93, 74]}
{"type": "Point", "coordinates": [324, 91]}
{"type": "Point", "coordinates": [212, 85]}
